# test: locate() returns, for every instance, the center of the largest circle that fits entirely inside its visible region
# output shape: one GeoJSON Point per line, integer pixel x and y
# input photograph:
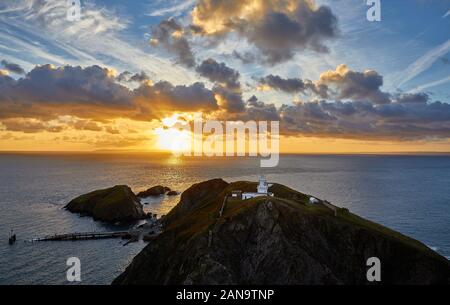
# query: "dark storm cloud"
{"type": "Point", "coordinates": [95, 86]}
{"type": "Point", "coordinates": [277, 28]}
{"type": "Point", "coordinates": [166, 96]}
{"type": "Point", "coordinates": [94, 96]}
{"type": "Point", "coordinates": [257, 110]}
{"type": "Point", "coordinates": [355, 85]}
{"type": "Point", "coordinates": [219, 73]}
{"type": "Point", "coordinates": [413, 98]}
{"type": "Point", "coordinates": [288, 85]}
{"type": "Point", "coordinates": [279, 36]}
{"type": "Point", "coordinates": [252, 110]}
{"type": "Point", "coordinates": [94, 93]}
{"type": "Point", "coordinates": [341, 83]}
{"type": "Point", "coordinates": [394, 120]}
{"type": "Point", "coordinates": [227, 87]}
{"type": "Point", "coordinates": [67, 84]}
{"type": "Point", "coordinates": [12, 67]}
{"type": "Point", "coordinates": [229, 100]}
{"type": "Point", "coordinates": [170, 35]}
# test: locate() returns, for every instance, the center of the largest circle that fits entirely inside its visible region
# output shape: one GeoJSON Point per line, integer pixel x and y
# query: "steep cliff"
{"type": "Point", "coordinates": [114, 204]}
{"type": "Point", "coordinates": [275, 240]}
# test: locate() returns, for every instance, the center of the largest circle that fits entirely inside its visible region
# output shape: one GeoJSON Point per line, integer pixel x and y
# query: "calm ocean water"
{"type": "Point", "coordinates": [410, 194]}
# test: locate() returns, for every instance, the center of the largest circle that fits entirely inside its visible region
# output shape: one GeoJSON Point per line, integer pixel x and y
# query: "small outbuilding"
{"type": "Point", "coordinates": [313, 200]}
{"type": "Point", "coordinates": [236, 194]}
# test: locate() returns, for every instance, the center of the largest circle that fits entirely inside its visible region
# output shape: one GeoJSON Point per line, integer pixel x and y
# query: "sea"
{"type": "Point", "coordinates": [408, 193]}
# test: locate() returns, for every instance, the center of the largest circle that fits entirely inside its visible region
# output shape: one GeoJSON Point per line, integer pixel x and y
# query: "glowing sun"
{"type": "Point", "coordinates": [171, 138]}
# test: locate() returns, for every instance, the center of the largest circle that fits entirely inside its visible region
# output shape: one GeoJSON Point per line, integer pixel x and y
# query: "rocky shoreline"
{"type": "Point", "coordinates": [275, 240]}
{"type": "Point", "coordinates": [209, 237]}
{"type": "Point", "coordinates": [116, 204]}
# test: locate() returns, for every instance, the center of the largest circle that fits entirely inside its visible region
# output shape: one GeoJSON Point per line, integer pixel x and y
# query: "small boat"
{"type": "Point", "coordinates": [12, 238]}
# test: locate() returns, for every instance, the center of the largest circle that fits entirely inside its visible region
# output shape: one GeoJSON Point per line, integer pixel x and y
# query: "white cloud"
{"type": "Point", "coordinates": [40, 30]}
{"type": "Point", "coordinates": [174, 10]}
{"type": "Point", "coordinates": [422, 87]}
{"type": "Point", "coordinates": [447, 14]}
{"type": "Point", "coordinates": [423, 63]}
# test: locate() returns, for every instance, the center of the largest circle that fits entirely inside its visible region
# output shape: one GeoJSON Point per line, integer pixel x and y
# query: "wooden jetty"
{"type": "Point", "coordinates": [83, 236]}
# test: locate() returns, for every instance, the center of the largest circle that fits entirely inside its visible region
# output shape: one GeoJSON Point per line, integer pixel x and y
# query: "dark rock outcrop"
{"type": "Point", "coordinates": [277, 240]}
{"type": "Point", "coordinates": [153, 191]}
{"type": "Point", "coordinates": [115, 204]}
{"type": "Point", "coordinates": [198, 195]}
{"type": "Point", "coordinates": [157, 191]}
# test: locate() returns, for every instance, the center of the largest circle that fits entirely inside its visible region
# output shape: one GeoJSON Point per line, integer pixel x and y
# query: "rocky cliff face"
{"type": "Point", "coordinates": [279, 240]}
{"type": "Point", "coordinates": [111, 205]}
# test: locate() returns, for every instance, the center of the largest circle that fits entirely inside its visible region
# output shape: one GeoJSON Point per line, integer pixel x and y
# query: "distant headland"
{"type": "Point", "coordinates": [259, 233]}
{"type": "Point", "coordinates": [215, 237]}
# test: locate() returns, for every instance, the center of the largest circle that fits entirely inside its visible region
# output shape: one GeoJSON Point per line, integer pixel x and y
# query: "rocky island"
{"type": "Point", "coordinates": [115, 204]}
{"type": "Point", "coordinates": [157, 190]}
{"type": "Point", "coordinates": [212, 238]}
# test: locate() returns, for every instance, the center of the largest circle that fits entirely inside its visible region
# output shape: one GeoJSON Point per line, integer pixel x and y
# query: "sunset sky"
{"type": "Point", "coordinates": [129, 72]}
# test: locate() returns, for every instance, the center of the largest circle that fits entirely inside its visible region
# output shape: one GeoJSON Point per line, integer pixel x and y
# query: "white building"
{"type": "Point", "coordinates": [313, 200]}
{"type": "Point", "coordinates": [236, 194]}
{"type": "Point", "coordinates": [262, 189]}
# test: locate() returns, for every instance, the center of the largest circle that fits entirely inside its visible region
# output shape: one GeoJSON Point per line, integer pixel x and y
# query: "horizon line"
{"type": "Point", "coordinates": [155, 152]}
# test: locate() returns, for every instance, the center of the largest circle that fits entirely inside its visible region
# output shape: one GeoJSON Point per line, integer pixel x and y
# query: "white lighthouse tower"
{"type": "Point", "coordinates": [262, 189]}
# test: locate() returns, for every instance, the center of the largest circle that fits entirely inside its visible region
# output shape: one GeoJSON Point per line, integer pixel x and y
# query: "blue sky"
{"type": "Point", "coordinates": [409, 31]}
{"type": "Point", "coordinates": [374, 68]}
